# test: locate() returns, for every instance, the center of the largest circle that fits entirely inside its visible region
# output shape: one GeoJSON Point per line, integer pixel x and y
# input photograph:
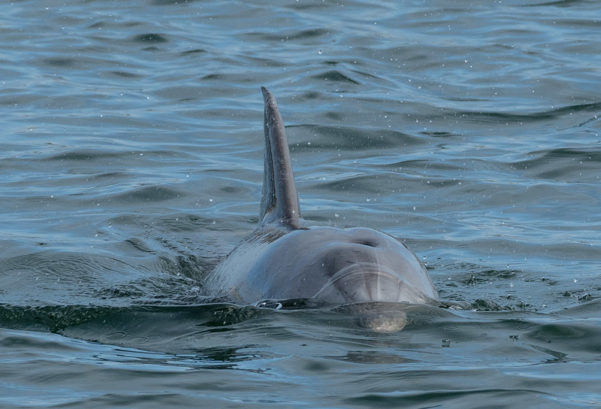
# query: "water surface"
{"type": "Point", "coordinates": [132, 163]}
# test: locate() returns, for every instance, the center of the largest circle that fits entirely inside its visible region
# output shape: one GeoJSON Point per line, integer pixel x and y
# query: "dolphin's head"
{"type": "Point", "coordinates": [334, 266]}
{"type": "Point", "coordinates": [364, 265]}
{"type": "Point", "coordinates": [368, 268]}
{"type": "Point", "coordinates": [370, 292]}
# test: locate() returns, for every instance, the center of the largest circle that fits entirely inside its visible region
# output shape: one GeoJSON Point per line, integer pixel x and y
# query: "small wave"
{"type": "Point", "coordinates": [150, 38]}
{"type": "Point", "coordinates": [508, 117]}
{"type": "Point", "coordinates": [433, 398]}
{"type": "Point", "coordinates": [297, 35]}
{"type": "Point", "coordinates": [149, 194]}
{"type": "Point", "coordinates": [570, 164]}
{"type": "Point", "coordinates": [345, 138]}
{"type": "Point", "coordinates": [335, 76]}
{"type": "Point", "coordinates": [85, 155]}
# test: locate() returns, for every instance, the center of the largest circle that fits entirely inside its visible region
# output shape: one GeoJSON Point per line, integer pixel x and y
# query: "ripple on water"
{"type": "Point", "coordinates": [132, 162]}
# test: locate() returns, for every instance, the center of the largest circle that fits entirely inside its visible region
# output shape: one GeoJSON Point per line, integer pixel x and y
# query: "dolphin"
{"type": "Point", "coordinates": [285, 258]}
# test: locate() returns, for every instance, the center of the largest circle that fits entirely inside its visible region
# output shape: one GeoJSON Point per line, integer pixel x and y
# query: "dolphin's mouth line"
{"type": "Point", "coordinates": [356, 273]}
{"type": "Point", "coordinates": [368, 282]}
{"type": "Point", "coordinates": [347, 280]}
{"type": "Point", "coordinates": [362, 269]}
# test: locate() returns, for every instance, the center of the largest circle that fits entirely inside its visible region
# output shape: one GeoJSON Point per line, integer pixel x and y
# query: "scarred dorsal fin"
{"type": "Point", "coordinates": [279, 203]}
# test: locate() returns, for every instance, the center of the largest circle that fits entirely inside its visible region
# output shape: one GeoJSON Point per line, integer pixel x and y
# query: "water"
{"type": "Point", "coordinates": [132, 162]}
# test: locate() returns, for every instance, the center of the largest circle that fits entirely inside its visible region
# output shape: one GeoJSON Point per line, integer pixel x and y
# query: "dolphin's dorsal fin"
{"type": "Point", "coordinates": [279, 203]}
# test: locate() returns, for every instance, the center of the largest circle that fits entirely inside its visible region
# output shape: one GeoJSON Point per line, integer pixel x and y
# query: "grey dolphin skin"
{"type": "Point", "coordinates": [286, 259]}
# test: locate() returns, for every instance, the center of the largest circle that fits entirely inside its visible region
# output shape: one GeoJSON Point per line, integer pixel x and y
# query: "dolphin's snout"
{"type": "Point", "coordinates": [368, 290]}
{"type": "Point", "coordinates": [383, 317]}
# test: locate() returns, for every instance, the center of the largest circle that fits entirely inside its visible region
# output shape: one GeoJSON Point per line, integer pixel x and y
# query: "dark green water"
{"type": "Point", "coordinates": [131, 164]}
